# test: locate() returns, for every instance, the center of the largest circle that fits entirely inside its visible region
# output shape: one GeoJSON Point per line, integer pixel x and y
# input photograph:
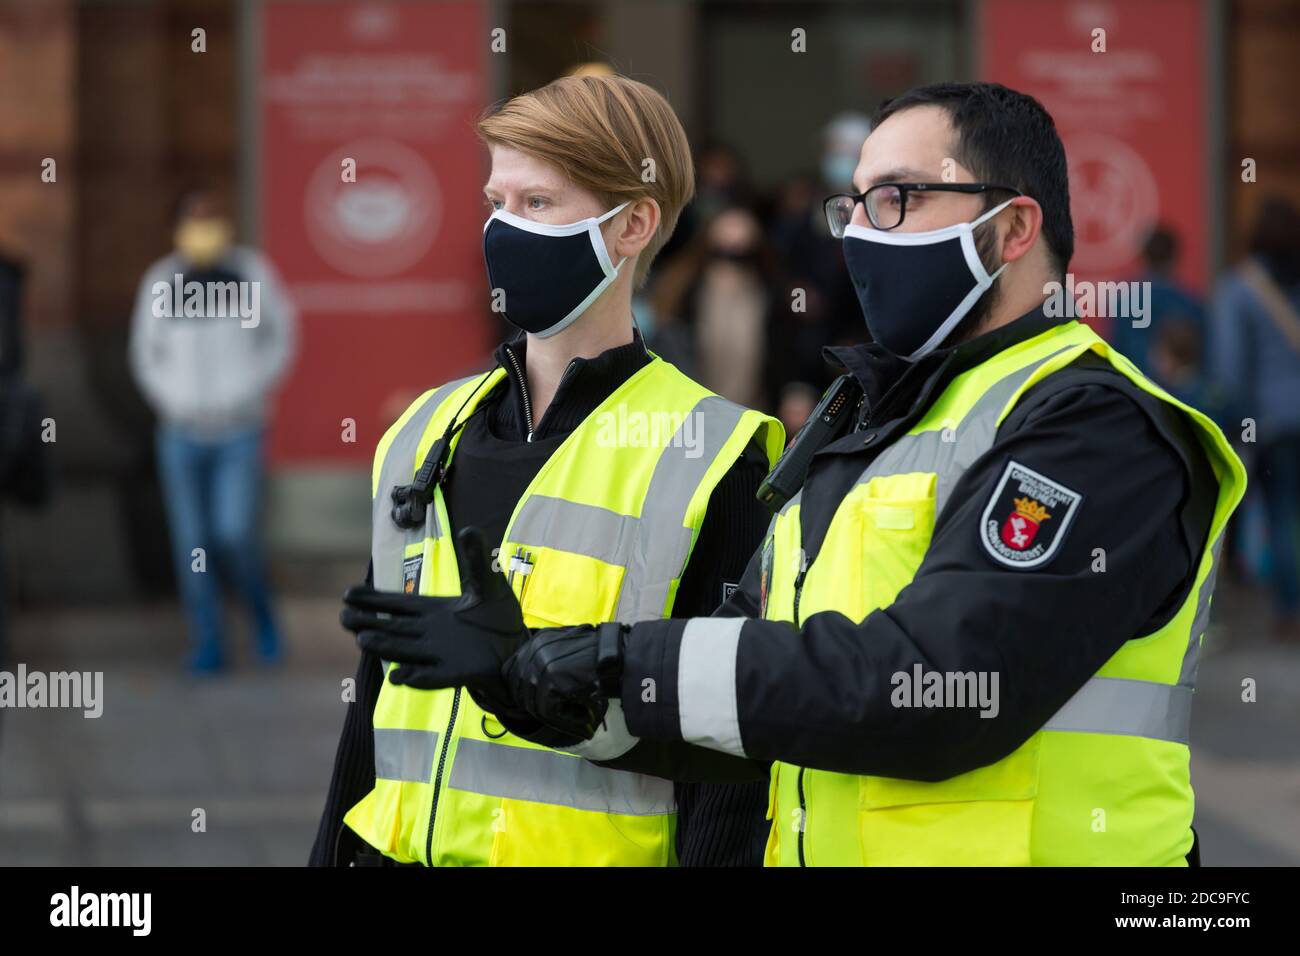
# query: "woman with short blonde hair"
{"type": "Point", "coordinates": [617, 489]}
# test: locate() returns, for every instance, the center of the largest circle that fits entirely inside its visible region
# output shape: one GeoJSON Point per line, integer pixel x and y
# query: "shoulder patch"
{"type": "Point", "coordinates": [1027, 517]}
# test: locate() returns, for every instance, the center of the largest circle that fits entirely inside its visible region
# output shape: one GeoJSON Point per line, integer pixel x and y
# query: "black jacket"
{"type": "Point", "coordinates": [819, 695]}
{"type": "Point", "coordinates": [718, 823]}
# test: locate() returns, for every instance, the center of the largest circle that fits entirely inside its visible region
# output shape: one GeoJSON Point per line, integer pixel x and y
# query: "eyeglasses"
{"type": "Point", "coordinates": [886, 203]}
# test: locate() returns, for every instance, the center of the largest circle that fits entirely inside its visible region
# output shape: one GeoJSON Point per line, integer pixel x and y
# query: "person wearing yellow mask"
{"type": "Point", "coordinates": [211, 337]}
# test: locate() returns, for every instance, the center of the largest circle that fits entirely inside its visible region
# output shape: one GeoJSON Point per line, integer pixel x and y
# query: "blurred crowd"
{"type": "Point", "coordinates": [752, 285]}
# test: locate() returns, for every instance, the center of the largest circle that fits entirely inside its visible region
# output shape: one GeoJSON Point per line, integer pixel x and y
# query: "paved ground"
{"type": "Point", "coordinates": [254, 750]}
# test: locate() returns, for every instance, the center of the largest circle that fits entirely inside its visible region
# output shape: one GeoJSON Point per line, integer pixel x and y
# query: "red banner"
{"type": "Point", "coordinates": [1131, 118]}
{"type": "Point", "coordinates": [372, 209]}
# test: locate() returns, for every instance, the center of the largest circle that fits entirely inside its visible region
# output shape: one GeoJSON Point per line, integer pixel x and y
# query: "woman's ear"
{"type": "Point", "coordinates": [633, 228]}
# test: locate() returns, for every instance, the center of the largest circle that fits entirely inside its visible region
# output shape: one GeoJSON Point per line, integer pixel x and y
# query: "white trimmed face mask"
{"type": "Point", "coordinates": [914, 287]}
{"type": "Point", "coordinates": [549, 275]}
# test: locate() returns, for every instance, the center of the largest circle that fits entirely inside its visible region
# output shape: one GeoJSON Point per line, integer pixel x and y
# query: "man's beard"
{"type": "Point", "coordinates": [972, 323]}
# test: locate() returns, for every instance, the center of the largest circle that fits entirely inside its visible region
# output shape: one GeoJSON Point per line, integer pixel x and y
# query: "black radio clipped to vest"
{"type": "Point", "coordinates": [837, 404]}
{"type": "Point", "coordinates": [410, 501]}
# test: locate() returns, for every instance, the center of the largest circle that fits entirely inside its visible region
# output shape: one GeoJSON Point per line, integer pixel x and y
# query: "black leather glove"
{"type": "Point", "coordinates": [566, 676]}
{"type": "Point", "coordinates": [453, 641]}
{"type": "Point", "coordinates": [444, 641]}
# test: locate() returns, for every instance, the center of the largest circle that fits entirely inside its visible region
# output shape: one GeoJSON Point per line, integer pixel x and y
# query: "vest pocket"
{"type": "Point", "coordinates": [895, 524]}
{"type": "Point", "coordinates": [536, 834]}
{"type": "Point", "coordinates": [377, 818]}
{"type": "Point", "coordinates": [980, 818]}
{"type": "Point", "coordinates": [562, 584]}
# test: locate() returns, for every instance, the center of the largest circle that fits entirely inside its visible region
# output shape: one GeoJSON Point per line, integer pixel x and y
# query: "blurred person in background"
{"type": "Point", "coordinates": [25, 465]}
{"type": "Point", "coordinates": [212, 336]}
{"type": "Point", "coordinates": [1256, 361]}
{"type": "Point", "coordinates": [721, 182]}
{"type": "Point", "coordinates": [1177, 365]}
{"type": "Point", "coordinates": [731, 306]}
{"type": "Point", "coordinates": [1170, 301]}
{"type": "Point", "coordinates": [814, 262]}
{"type": "Point", "coordinates": [842, 141]}
{"type": "Point", "coordinates": [796, 402]}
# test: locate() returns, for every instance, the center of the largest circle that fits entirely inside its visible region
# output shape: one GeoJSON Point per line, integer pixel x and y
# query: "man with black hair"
{"type": "Point", "coordinates": [971, 636]}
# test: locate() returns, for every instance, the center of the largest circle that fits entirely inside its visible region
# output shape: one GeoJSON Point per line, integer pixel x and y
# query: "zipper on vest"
{"type": "Point", "coordinates": [798, 584]}
{"type": "Point", "coordinates": [523, 391]}
{"type": "Point", "coordinates": [803, 818]}
{"type": "Point", "coordinates": [437, 778]}
{"type": "Point", "coordinates": [803, 807]}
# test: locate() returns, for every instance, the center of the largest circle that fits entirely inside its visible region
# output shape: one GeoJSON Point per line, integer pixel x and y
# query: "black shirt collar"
{"type": "Point", "coordinates": [585, 384]}
{"type": "Point", "coordinates": [877, 370]}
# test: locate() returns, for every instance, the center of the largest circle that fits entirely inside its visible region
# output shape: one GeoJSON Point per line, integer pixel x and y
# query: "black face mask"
{"type": "Point", "coordinates": [915, 287]}
{"type": "Point", "coordinates": [548, 275]}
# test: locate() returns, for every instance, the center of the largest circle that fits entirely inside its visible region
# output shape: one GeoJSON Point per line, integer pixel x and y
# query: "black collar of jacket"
{"type": "Point", "coordinates": [585, 384]}
{"type": "Point", "coordinates": [890, 382]}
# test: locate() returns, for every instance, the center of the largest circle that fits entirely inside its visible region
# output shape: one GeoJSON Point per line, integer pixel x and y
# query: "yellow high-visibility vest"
{"type": "Point", "coordinates": [1106, 780]}
{"type": "Point", "coordinates": [602, 533]}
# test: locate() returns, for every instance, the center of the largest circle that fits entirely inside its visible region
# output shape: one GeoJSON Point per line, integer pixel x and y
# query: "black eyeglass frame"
{"type": "Point", "coordinates": [903, 190]}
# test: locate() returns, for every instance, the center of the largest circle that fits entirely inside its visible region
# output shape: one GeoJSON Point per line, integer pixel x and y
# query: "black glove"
{"type": "Point", "coordinates": [566, 676]}
{"type": "Point", "coordinates": [444, 641]}
{"type": "Point", "coordinates": [453, 641]}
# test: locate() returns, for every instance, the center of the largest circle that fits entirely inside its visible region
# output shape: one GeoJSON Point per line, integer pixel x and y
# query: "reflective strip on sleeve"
{"type": "Point", "coordinates": [406, 755]}
{"type": "Point", "coordinates": [706, 683]}
{"type": "Point", "coordinates": [559, 779]}
{"type": "Point", "coordinates": [1134, 708]}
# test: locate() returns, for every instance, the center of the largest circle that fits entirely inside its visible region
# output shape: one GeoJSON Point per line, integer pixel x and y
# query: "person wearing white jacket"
{"type": "Point", "coordinates": [211, 337]}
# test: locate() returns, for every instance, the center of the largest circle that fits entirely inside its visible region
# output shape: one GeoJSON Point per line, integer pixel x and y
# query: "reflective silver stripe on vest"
{"type": "Point", "coordinates": [388, 542]}
{"type": "Point", "coordinates": [405, 754]}
{"type": "Point", "coordinates": [652, 548]}
{"type": "Point", "coordinates": [949, 452]}
{"type": "Point", "coordinates": [706, 683]}
{"type": "Point", "coordinates": [559, 779]}
{"type": "Point", "coordinates": [664, 542]}
{"type": "Point", "coordinates": [1135, 708]}
{"type": "Point", "coordinates": [1191, 660]}
{"type": "Point", "coordinates": [546, 522]}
